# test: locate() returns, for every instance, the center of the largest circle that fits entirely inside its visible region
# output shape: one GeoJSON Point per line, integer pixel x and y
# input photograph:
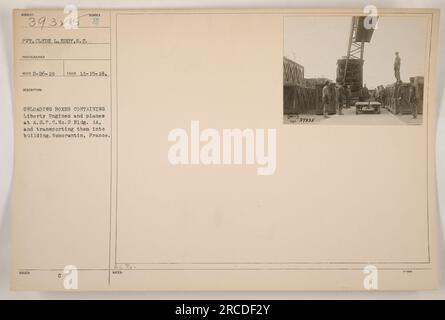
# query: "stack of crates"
{"type": "Point", "coordinates": [354, 75]}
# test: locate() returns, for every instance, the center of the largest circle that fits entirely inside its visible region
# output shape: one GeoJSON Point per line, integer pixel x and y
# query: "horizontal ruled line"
{"type": "Point", "coordinates": [57, 27]}
{"type": "Point", "coordinates": [23, 76]}
{"type": "Point", "coordinates": [44, 59]}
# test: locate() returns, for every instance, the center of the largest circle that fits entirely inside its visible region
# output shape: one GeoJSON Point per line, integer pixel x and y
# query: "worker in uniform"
{"type": "Point", "coordinates": [341, 98]}
{"type": "Point", "coordinates": [364, 93]}
{"type": "Point", "coordinates": [326, 95]}
{"type": "Point", "coordinates": [348, 96]}
{"type": "Point", "coordinates": [412, 98]}
{"type": "Point", "coordinates": [397, 62]}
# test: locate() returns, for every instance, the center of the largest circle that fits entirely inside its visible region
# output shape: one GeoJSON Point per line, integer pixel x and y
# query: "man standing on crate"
{"type": "Point", "coordinates": [326, 95]}
{"type": "Point", "coordinates": [412, 98]}
{"type": "Point", "coordinates": [397, 62]}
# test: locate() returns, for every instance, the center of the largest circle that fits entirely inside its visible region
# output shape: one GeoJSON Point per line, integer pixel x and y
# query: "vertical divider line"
{"type": "Point", "coordinates": [117, 140]}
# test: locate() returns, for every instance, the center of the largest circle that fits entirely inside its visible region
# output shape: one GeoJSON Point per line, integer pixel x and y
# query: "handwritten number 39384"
{"type": "Point", "coordinates": [43, 22]}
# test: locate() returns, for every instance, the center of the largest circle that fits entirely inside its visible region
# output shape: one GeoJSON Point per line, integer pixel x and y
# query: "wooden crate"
{"type": "Point", "coordinates": [293, 73]}
{"type": "Point", "coordinates": [354, 75]}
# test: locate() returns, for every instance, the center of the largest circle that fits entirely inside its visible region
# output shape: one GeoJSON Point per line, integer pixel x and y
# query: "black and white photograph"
{"type": "Point", "coordinates": [359, 70]}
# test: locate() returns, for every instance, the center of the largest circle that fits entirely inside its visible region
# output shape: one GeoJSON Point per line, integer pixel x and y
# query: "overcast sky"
{"type": "Point", "coordinates": [317, 42]}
